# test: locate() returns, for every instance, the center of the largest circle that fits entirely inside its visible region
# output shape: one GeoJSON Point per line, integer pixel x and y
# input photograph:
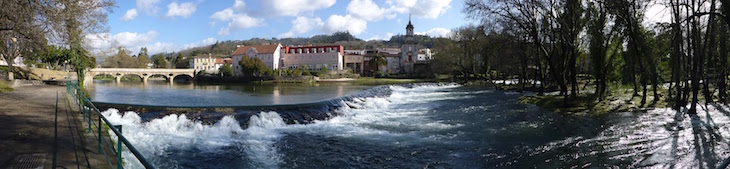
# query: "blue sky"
{"type": "Point", "coordinates": [166, 26]}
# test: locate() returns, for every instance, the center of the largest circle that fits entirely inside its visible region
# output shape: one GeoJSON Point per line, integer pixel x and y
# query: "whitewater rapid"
{"type": "Point", "coordinates": [399, 119]}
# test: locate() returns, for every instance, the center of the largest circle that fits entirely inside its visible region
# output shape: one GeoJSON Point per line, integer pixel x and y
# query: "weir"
{"type": "Point", "coordinates": [95, 121]}
{"type": "Point", "coordinates": [303, 113]}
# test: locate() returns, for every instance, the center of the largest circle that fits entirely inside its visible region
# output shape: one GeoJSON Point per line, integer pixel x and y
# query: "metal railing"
{"type": "Point", "coordinates": [89, 111]}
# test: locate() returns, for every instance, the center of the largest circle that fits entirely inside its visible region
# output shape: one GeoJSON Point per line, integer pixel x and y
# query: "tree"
{"type": "Point", "coordinates": [121, 60]}
{"type": "Point", "coordinates": [53, 56]}
{"type": "Point", "coordinates": [143, 58]}
{"type": "Point", "coordinates": [226, 70]}
{"type": "Point", "coordinates": [158, 60]}
{"type": "Point", "coordinates": [252, 67]}
{"type": "Point", "coordinates": [376, 61]}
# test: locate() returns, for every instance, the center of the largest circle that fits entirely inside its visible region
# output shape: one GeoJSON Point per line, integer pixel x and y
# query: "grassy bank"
{"type": "Point", "coordinates": [4, 87]}
{"type": "Point", "coordinates": [618, 99]}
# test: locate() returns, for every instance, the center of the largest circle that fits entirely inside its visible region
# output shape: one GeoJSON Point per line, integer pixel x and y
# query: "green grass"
{"type": "Point", "coordinates": [4, 87]}
{"type": "Point", "coordinates": [619, 98]}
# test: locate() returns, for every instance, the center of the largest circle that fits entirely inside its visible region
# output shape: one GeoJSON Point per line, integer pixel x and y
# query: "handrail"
{"type": "Point", "coordinates": [78, 94]}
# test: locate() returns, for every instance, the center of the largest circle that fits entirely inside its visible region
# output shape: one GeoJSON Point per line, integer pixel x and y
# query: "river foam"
{"type": "Point", "coordinates": [398, 118]}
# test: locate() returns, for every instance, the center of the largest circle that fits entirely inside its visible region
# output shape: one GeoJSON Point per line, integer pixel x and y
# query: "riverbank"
{"type": "Point", "coordinates": [5, 87]}
{"type": "Point", "coordinates": [28, 115]}
{"type": "Point", "coordinates": [585, 103]}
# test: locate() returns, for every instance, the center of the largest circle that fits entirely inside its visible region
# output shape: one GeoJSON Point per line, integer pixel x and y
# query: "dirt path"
{"type": "Point", "coordinates": [27, 126]}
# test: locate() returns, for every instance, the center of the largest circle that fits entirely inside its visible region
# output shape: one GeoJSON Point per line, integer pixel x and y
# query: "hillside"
{"type": "Point", "coordinates": [225, 48]}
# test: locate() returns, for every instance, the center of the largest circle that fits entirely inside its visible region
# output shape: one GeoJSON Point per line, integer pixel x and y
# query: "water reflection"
{"type": "Point", "coordinates": [162, 93]}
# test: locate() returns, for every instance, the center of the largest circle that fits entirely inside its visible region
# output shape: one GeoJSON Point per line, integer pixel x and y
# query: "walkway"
{"type": "Point", "coordinates": [27, 132]}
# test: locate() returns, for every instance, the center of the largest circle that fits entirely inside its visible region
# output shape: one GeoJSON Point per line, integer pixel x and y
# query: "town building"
{"type": "Point", "coordinates": [205, 63]}
{"type": "Point", "coordinates": [270, 54]}
{"type": "Point", "coordinates": [424, 55]}
{"type": "Point", "coordinates": [409, 51]}
{"type": "Point", "coordinates": [355, 61]}
{"type": "Point", "coordinates": [313, 57]}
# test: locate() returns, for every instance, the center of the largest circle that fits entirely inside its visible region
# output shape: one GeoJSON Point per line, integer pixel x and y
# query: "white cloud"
{"type": "Point", "coordinates": [295, 7]}
{"type": "Point", "coordinates": [159, 47]}
{"type": "Point", "coordinates": [130, 15]}
{"type": "Point", "coordinates": [368, 10]}
{"type": "Point", "coordinates": [133, 41]}
{"type": "Point", "coordinates": [377, 37]}
{"type": "Point", "coordinates": [223, 15]}
{"type": "Point", "coordinates": [436, 32]}
{"type": "Point", "coordinates": [302, 25]}
{"type": "Point", "coordinates": [129, 39]}
{"type": "Point", "coordinates": [243, 21]}
{"type": "Point", "coordinates": [149, 6]}
{"type": "Point", "coordinates": [348, 23]}
{"type": "Point", "coordinates": [98, 41]}
{"type": "Point", "coordinates": [239, 5]}
{"type": "Point", "coordinates": [235, 19]}
{"type": "Point", "coordinates": [224, 31]}
{"type": "Point", "coordinates": [656, 13]}
{"type": "Point", "coordinates": [183, 10]}
{"type": "Point", "coordinates": [423, 8]}
{"type": "Point", "coordinates": [207, 41]}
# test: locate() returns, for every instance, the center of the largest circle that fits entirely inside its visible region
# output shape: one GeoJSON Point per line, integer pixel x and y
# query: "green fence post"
{"type": "Point", "coordinates": [99, 127]}
{"type": "Point", "coordinates": [82, 109]}
{"type": "Point", "coordinates": [89, 118]}
{"type": "Point", "coordinates": [119, 147]}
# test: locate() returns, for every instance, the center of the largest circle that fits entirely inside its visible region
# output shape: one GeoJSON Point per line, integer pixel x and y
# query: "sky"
{"type": "Point", "coordinates": [174, 25]}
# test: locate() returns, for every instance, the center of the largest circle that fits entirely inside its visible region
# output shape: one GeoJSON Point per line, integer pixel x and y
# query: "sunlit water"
{"type": "Point", "coordinates": [434, 126]}
{"type": "Point", "coordinates": [161, 93]}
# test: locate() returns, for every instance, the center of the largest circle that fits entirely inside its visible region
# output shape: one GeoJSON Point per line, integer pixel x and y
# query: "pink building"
{"type": "Point", "coordinates": [313, 57]}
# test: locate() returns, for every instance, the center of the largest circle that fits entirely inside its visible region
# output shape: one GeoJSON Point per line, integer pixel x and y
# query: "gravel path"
{"type": "Point", "coordinates": [27, 126]}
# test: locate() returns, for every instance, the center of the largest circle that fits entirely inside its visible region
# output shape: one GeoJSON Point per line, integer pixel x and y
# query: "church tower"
{"type": "Point", "coordinates": [409, 51]}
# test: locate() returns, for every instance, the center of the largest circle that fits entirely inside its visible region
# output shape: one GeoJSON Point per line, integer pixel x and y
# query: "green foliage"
{"type": "Point", "coordinates": [252, 67]}
{"type": "Point", "coordinates": [122, 60]}
{"type": "Point", "coordinates": [4, 87]}
{"type": "Point", "coordinates": [143, 58]}
{"type": "Point", "coordinates": [159, 61]}
{"type": "Point", "coordinates": [377, 61]}
{"type": "Point", "coordinates": [468, 54]}
{"type": "Point", "coordinates": [226, 70]}
{"type": "Point", "coordinates": [53, 56]}
{"type": "Point", "coordinates": [180, 61]}
{"type": "Point", "coordinates": [325, 70]}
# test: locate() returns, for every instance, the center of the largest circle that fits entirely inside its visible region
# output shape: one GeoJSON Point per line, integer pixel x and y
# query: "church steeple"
{"type": "Point", "coordinates": [409, 31]}
{"type": "Point", "coordinates": [409, 27]}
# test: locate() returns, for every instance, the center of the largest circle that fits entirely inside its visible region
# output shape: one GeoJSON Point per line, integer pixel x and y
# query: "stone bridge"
{"type": "Point", "coordinates": [145, 74]}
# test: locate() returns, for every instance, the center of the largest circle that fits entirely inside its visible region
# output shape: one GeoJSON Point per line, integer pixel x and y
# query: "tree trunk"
{"type": "Point", "coordinates": [677, 56]}
{"type": "Point", "coordinates": [697, 62]}
{"type": "Point", "coordinates": [721, 85]}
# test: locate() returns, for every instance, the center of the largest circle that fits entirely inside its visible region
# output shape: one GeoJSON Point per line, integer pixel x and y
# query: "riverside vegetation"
{"type": "Point", "coordinates": [566, 45]}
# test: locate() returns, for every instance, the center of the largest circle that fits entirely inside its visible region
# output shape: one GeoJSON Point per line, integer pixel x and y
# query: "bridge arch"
{"type": "Point", "coordinates": [144, 74]}
{"type": "Point", "coordinates": [121, 76]}
{"type": "Point", "coordinates": [103, 74]}
{"type": "Point", "coordinates": [179, 76]}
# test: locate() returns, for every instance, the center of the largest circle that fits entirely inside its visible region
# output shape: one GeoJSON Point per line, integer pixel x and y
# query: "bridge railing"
{"type": "Point", "coordinates": [96, 121]}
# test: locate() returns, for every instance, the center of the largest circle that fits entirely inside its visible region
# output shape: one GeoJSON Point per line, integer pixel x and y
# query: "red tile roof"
{"type": "Point", "coordinates": [259, 49]}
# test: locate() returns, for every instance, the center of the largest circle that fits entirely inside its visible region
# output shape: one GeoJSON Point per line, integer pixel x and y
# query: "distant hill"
{"type": "Point", "coordinates": [225, 48]}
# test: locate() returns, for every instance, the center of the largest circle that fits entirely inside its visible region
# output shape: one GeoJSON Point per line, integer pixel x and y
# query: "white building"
{"type": "Point", "coordinates": [206, 63]}
{"type": "Point", "coordinates": [424, 54]}
{"type": "Point", "coordinates": [18, 61]}
{"type": "Point", "coordinates": [269, 54]}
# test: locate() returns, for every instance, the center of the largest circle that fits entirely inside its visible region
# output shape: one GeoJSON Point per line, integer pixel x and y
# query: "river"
{"type": "Point", "coordinates": [413, 126]}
